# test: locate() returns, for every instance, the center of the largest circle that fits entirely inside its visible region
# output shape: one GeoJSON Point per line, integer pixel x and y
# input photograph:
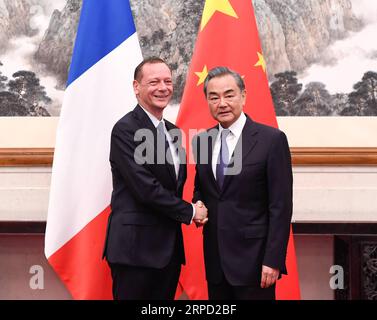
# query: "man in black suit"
{"type": "Point", "coordinates": [244, 177]}
{"type": "Point", "coordinates": [144, 245]}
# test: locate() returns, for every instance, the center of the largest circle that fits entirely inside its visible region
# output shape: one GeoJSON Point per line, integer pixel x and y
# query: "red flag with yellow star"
{"type": "Point", "coordinates": [228, 36]}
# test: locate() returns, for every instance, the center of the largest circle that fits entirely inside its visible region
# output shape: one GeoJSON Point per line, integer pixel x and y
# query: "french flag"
{"type": "Point", "coordinates": [99, 92]}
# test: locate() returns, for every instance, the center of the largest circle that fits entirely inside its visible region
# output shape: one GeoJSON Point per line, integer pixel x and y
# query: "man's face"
{"type": "Point", "coordinates": [225, 99]}
{"type": "Point", "coordinates": [155, 87]}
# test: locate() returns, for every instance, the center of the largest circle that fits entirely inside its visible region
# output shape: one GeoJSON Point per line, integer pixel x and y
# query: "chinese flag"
{"type": "Point", "coordinates": [228, 36]}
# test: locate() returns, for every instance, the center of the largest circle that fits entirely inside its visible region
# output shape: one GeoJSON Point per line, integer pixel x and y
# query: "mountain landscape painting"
{"type": "Point", "coordinates": [321, 54]}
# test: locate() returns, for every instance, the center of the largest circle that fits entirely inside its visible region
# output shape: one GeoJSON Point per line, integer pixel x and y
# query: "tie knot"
{"type": "Point", "coordinates": [160, 128]}
{"type": "Point", "coordinates": [225, 133]}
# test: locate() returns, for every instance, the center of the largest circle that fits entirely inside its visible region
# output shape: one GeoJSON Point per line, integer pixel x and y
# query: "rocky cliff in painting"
{"type": "Point", "coordinates": [291, 38]}
{"type": "Point", "coordinates": [56, 47]}
{"type": "Point", "coordinates": [14, 20]}
{"type": "Point", "coordinates": [295, 32]}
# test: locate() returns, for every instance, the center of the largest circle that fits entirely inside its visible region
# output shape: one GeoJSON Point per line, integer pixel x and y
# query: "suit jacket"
{"type": "Point", "coordinates": [144, 226]}
{"type": "Point", "coordinates": [249, 218]}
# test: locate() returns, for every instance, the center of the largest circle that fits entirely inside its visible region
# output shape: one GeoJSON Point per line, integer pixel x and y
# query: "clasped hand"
{"type": "Point", "coordinates": [201, 214]}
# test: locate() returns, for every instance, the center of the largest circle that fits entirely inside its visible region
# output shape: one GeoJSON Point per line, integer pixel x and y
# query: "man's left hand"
{"type": "Point", "coordinates": [269, 276]}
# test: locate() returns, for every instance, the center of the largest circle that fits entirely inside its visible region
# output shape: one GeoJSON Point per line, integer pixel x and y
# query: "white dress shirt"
{"type": "Point", "coordinates": [231, 140]}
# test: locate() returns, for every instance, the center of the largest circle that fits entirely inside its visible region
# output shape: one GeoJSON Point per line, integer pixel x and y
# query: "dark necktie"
{"type": "Point", "coordinates": [223, 159]}
{"type": "Point", "coordinates": [166, 154]}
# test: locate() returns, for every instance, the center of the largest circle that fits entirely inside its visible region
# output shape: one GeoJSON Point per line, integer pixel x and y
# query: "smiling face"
{"type": "Point", "coordinates": [154, 89]}
{"type": "Point", "coordinates": [225, 99]}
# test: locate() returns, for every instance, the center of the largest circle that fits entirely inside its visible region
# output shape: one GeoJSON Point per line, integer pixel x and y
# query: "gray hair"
{"type": "Point", "coordinates": [222, 71]}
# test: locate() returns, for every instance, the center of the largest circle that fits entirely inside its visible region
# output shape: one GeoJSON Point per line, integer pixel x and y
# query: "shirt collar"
{"type": "Point", "coordinates": [237, 127]}
{"type": "Point", "coordinates": [154, 120]}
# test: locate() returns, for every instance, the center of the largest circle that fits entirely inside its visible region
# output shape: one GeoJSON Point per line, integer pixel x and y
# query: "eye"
{"type": "Point", "coordinates": [153, 83]}
{"type": "Point", "coordinates": [168, 82]}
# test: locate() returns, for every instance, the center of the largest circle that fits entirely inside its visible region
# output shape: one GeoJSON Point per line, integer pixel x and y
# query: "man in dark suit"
{"type": "Point", "coordinates": [144, 245]}
{"type": "Point", "coordinates": [244, 177]}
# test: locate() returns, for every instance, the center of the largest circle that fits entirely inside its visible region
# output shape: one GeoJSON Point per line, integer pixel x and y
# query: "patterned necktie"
{"type": "Point", "coordinates": [223, 159]}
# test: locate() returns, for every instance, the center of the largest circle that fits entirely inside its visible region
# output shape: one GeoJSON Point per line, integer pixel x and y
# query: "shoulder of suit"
{"type": "Point", "coordinates": [127, 122]}
{"type": "Point", "coordinates": [266, 129]}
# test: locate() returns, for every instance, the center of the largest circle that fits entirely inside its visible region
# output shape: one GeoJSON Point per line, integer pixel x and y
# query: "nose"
{"type": "Point", "coordinates": [222, 102]}
{"type": "Point", "coordinates": [162, 86]}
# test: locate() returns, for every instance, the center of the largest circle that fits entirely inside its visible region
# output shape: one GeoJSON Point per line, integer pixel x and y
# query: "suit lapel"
{"type": "Point", "coordinates": [182, 174]}
{"type": "Point", "coordinates": [143, 119]}
{"type": "Point", "coordinates": [249, 138]}
{"type": "Point", "coordinates": [145, 122]}
{"type": "Point", "coordinates": [243, 147]}
{"type": "Point", "coordinates": [213, 132]}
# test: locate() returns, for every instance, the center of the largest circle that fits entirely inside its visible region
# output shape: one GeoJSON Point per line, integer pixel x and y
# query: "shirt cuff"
{"type": "Point", "coordinates": [193, 212]}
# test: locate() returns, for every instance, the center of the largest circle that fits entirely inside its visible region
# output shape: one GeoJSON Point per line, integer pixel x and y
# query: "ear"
{"type": "Point", "coordinates": [243, 94]}
{"type": "Point", "coordinates": [136, 87]}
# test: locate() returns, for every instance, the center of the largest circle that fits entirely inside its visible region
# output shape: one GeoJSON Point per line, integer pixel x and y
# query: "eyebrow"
{"type": "Point", "coordinates": [159, 79]}
{"type": "Point", "coordinates": [226, 92]}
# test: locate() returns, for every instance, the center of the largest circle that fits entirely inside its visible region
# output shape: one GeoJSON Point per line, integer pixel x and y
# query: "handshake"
{"type": "Point", "coordinates": [201, 214]}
